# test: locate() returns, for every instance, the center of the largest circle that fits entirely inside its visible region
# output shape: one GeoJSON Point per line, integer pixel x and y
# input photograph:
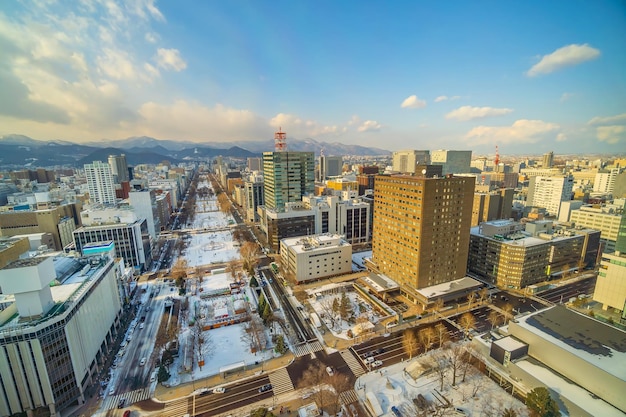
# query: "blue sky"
{"type": "Point", "coordinates": [528, 76]}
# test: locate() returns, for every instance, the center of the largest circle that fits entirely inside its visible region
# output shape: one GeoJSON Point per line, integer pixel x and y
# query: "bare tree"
{"type": "Point", "coordinates": [316, 377]}
{"type": "Point", "coordinates": [508, 312]}
{"type": "Point", "coordinates": [483, 294]}
{"type": "Point", "coordinates": [233, 268]}
{"type": "Point", "coordinates": [426, 337]}
{"type": "Point", "coordinates": [340, 384]}
{"type": "Point", "coordinates": [441, 332]}
{"type": "Point", "coordinates": [252, 334]}
{"type": "Point", "coordinates": [249, 253]}
{"type": "Point", "coordinates": [328, 306]}
{"type": "Point", "coordinates": [409, 342]}
{"type": "Point", "coordinates": [470, 299]}
{"type": "Point", "coordinates": [467, 322]}
{"type": "Point", "coordinates": [203, 345]}
{"type": "Point", "coordinates": [441, 367]}
{"type": "Point", "coordinates": [179, 269]}
{"type": "Point", "coordinates": [494, 318]}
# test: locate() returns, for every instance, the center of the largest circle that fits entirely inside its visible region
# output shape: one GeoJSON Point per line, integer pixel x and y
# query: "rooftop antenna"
{"type": "Point", "coordinates": [280, 138]}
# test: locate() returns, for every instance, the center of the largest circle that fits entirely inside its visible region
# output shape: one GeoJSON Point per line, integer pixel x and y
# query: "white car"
{"type": "Point", "coordinates": [376, 364]}
{"type": "Point", "coordinates": [219, 390]}
{"type": "Point", "coordinates": [142, 362]}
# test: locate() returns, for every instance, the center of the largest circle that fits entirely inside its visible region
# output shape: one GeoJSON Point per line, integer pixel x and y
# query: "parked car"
{"type": "Point", "coordinates": [379, 351]}
{"type": "Point", "coordinates": [142, 362]}
{"type": "Point", "coordinates": [395, 411]}
{"type": "Point", "coordinates": [219, 390]}
{"type": "Point", "coordinates": [370, 359]}
{"type": "Point", "coordinates": [265, 388]}
{"type": "Point", "coordinates": [330, 371]}
{"type": "Point", "coordinates": [376, 364]}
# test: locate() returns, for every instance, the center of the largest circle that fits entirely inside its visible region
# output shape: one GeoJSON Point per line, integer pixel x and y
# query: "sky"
{"type": "Point", "coordinates": [523, 75]}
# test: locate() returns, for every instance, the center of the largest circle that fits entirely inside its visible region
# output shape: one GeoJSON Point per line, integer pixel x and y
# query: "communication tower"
{"type": "Point", "coordinates": [280, 138]}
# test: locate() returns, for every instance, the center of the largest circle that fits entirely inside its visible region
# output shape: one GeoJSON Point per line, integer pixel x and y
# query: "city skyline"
{"type": "Point", "coordinates": [426, 75]}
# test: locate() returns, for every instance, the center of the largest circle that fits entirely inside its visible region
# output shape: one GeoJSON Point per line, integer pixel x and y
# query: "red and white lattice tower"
{"type": "Point", "coordinates": [496, 161]}
{"type": "Point", "coordinates": [280, 138]}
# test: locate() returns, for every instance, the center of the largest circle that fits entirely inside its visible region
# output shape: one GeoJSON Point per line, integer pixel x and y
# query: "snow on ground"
{"type": "Point", "coordinates": [213, 246]}
{"type": "Point", "coordinates": [323, 307]}
{"type": "Point", "coordinates": [393, 387]}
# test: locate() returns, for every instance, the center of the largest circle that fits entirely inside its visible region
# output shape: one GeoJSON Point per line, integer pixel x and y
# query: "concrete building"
{"type": "Point", "coordinates": [511, 254]}
{"type": "Point", "coordinates": [143, 203]}
{"type": "Point", "coordinates": [254, 164]}
{"type": "Point", "coordinates": [11, 249]}
{"type": "Point", "coordinates": [130, 235]}
{"type": "Point", "coordinates": [548, 160]}
{"type": "Point", "coordinates": [313, 257]}
{"type": "Point", "coordinates": [59, 221]}
{"type": "Point", "coordinates": [100, 182]}
{"type": "Point", "coordinates": [287, 176]}
{"type": "Point", "coordinates": [606, 219]}
{"type": "Point", "coordinates": [549, 192]}
{"type": "Point", "coordinates": [453, 162]}
{"type": "Point", "coordinates": [610, 288]}
{"type": "Point", "coordinates": [55, 339]}
{"type": "Point", "coordinates": [405, 162]}
{"type": "Point", "coordinates": [421, 229]}
{"type": "Point", "coordinates": [253, 196]}
{"type": "Point", "coordinates": [566, 208]}
{"type": "Point", "coordinates": [329, 166]}
{"type": "Point", "coordinates": [580, 360]}
{"type": "Point", "coordinates": [119, 168]}
{"type": "Point", "coordinates": [492, 205]}
{"type": "Point", "coordinates": [605, 181]}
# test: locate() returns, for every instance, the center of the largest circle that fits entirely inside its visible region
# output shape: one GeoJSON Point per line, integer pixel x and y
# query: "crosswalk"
{"type": "Point", "coordinates": [131, 397]}
{"type": "Point", "coordinates": [176, 408]}
{"type": "Point", "coordinates": [281, 381]}
{"type": "Point", "coordinates": [353, 363]}
{"type": "Point", "coordinates": [307, 348]}
{"type": "Point", "coordinates": [348, 397]}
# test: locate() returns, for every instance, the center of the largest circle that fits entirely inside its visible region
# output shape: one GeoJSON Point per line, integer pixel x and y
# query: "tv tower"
{"type": "Point", "coordinates": [496, 160]}
{"type": "Point", "coordinates": [279, 140]}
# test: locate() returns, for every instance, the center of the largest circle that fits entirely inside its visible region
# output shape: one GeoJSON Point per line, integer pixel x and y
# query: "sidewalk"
{"type": "Point", "coordinates": [164, 394]}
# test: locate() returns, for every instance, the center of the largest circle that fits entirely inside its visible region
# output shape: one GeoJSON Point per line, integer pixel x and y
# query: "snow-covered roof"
{"type": "Point", "coordinates": [574, 393]}
{"type": "Point", "coordinates": [602, 345]}
{"type": "Point", "coordinates": [509, 343]}
{"type": "Point", "coordinates": [449, 287]}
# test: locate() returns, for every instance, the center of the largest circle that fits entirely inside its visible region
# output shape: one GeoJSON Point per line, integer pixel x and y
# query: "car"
{"type": "Point", "coordinates": [396, 412]}
{"type": "Point", "coordinates": [142, 362]}
{"type": "Point", "coordinates": [330, 371]}
{"type": "Point", "coordinates": [265, 388]}
{"type": "Point", "coordinates": [379, 351]}
{"type": "Point", "coordinates": [219, 390]}
{"type": "Point", "coordinates": [376, 364]}
{"type": "Point", "coordinates": [121, 403]}
{"type": "Point", "coordinates": [370, 359]}
{"type": "Point", "coordinates": [127, 413]}
{"type": "Point", "coordinates": [460, 411]}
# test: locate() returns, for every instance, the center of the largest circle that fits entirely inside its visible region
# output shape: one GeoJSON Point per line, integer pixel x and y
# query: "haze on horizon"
{"type": "Point", "coordinates": [540, 76]}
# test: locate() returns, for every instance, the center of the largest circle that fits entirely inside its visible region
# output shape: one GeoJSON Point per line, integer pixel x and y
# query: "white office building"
{"type": "Point", "coordinates": [100, 183]}
{"type": "Point", "coordinates": [452, 162]}
{"type": "Point", "coordinates": [308, 258]}
{"type": "Point", "coordinates": [549, 192]}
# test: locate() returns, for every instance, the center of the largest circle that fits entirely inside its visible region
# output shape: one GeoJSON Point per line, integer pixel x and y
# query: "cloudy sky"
{"type": "Point", "coordinates": [525, 75]}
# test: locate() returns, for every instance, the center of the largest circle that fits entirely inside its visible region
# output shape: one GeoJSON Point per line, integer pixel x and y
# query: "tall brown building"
{"type": "Point", "coordinates": [422, 229]}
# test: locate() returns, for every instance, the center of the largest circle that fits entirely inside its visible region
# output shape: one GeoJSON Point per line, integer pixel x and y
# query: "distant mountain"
{"type": "Point", "coordinates": [19, 151]}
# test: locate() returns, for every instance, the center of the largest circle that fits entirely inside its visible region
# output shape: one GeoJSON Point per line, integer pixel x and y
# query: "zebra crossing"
{"type": "Point", "coordinates": [307, 348]}
{"type": "Point", "coordinates": [130, 397]}
{"type": "Point", "coordinates": [353, 363]}
{"type": "Point", "coordinates": [348, 397]}
{"type": "Point", "coordinates": [281, 381]}
{"type": "Point", "coordinates": [175, 408]}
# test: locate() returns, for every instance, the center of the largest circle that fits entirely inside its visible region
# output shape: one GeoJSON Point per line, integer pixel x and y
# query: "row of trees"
{"type": "Point", "coordinates": [337, 308]}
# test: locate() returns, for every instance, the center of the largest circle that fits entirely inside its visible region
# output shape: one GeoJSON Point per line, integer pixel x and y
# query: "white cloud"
{"type": "Point", "coordinates": [521, 131]}
{"type": "Point", "coordinates": [619, 118]}
{"type": "Point", "coordinates": [117, 65]}
{"type": "Point", "coordinates": [566, 56]}
{"type": "Point", "coordinates": [413, 102]}
{"type": "Point", "coordinates": [465, 113]}
{"type": "Point", "coordinates": [566, 96]}
{"type": "Point", "coordinates": [369, 126]}
{"type": "Point", "coordinates": [561, 137]}
{"type": "Point", "coordinates": [170, 59]}
{"type": "Point", "coordinates": [151, 37]}
{"type": "Point", "coordinates": [444, 98]}
{"type": "Point", "coordinates": [301, 128]}
{"type": "Point", "coordinates": [611, 134]}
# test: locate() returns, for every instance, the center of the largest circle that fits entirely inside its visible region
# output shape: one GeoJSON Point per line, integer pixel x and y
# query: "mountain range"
{"type": "Point", "coordinates": [19, 151]}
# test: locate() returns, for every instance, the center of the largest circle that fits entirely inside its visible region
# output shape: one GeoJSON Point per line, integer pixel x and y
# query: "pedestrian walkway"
{"type": "Point", "coordinates": [130, 397]}
{"type": "Point", "coordinates": [348, 397]}
{"type": "Point", "coordinates": [176, 408]}
{"type": "Point", "coordinates": [353, 363]}
{"type": "Point", "coordinates": [281, 381]}
{"type": "Point", "coordinates": [307, 348]}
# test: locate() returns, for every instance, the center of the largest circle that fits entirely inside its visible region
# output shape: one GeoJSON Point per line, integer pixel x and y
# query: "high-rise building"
{"type": "Point", "coordinates": [288, 176]}
{"type": "Point", "coordinates": [421, 229]}
{"type": "Point", "coordinates": [548, 192]}
{"type": "Point", "coordinates": [330, 166]}
{"type": "Point", "coordinates": [548, 160]}
{"type": "Point", "coordinates": [453, 162]}
{"type": "Point", "coordinates": [493, 205]}
{"type": "Point", "coordinates": [608, 220]}
{"type": "Point", "coordinates": [406, 161]}
{"type": "Point", "coordinates": [119, 168]}
{"type": "Point", "coordinates": [605, 181]}
{"type": "Point", "coordinates": [100, 183]}
{"type": "Point", "coordinates": [253, 196]}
